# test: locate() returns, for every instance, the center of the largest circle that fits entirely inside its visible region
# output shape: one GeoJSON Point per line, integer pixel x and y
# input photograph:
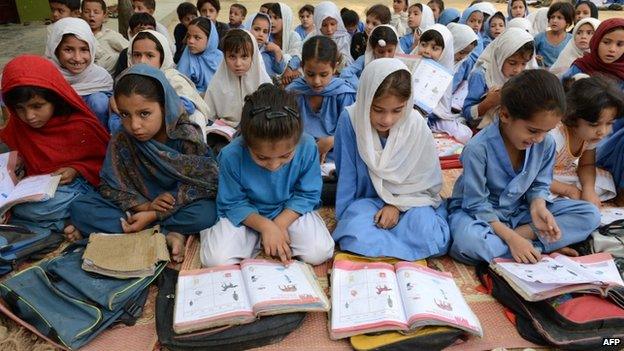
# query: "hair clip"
{"type": "Point", "coordinates": [259, 110]}
{"type": "Point", "coordinates": [381, 43]}
{"type": "Point", "coordinates": [291, 111]}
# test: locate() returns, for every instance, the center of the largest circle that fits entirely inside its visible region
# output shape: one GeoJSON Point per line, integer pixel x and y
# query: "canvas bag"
{"type": "Point", "coordinates": [46, 294]}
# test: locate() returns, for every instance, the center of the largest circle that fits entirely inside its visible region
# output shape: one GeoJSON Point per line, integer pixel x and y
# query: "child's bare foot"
{"type": "Point", "coordinates": [175, 241]}
{"type": "Point", "coordinates": [568, 251]}
{"type": "Point", "coordinates": [71, 233]}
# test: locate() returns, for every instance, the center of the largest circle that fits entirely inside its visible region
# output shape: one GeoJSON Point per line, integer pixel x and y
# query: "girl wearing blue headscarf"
{"type": "Point", "coordinates": [157, 170]}
{"type": "Point", "coordinates": [202, 56]}
{"type": "Point", "coordinates": [449, 15]}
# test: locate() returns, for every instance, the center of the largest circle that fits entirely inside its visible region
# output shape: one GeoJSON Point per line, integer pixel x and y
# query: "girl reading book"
{"type": "Point", "coordinates": [269, 188]}
{"type": "Point", "coordinates": [157, 170]}
{"type": "Point", "coordinates": [389, 175]}
{"type": "Point", "coordinates": [500, 204]}
{"type": "Point", "coordinates": [54, 132]}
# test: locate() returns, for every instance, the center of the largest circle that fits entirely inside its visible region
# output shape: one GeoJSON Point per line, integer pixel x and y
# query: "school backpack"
{"type": "Point", "coordinates": [69, 305]}
{"type": "Point", "coordinates": [570, 322]}
{"type": "Point", "coordinates": [266, 330]}
{"type": "Point", "coordinates": [18, 244]}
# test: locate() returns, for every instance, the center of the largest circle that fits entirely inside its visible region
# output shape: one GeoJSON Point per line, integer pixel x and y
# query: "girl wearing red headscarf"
{"type": "Point", "coordinates": [55, 133]}
{"type": "Point", "coordinates": [606, 54]}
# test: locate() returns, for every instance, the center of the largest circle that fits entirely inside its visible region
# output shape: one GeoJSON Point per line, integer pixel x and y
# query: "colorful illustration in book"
{"type": "Point", "coordinates": [225, 287]}
{"type": "Point", "coordinates": [381, 289]}
{"type": "Point", "coordinates": [288, 288]}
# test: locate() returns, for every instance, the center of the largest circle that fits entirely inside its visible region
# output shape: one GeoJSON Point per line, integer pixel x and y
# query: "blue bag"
{"type": "Point", "coordinates": [69, 305]}
{"type": "Point", "coordinates": [18, 244]}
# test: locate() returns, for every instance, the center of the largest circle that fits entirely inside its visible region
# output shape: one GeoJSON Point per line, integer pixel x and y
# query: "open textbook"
{"type": "Point", "coordinates": [557, 274]}
{"type": "Point", "coordinates": [221, 129]}
{"type": "Point", "coordinates": [430, 80]}
{"type": "Point", "coordinates": [29, 189]}
{"type": "Point", "coordinates": [375, 296]}
{"type": "Point", "coordinates": [609, 215]}
{"type": "Point", "coordinates": [234, 294]}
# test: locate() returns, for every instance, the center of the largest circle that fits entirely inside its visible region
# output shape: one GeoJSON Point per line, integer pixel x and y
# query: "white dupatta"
{"type": "Point", "coordinates": [406, 172]}
{"type": "Point", "coordinates": [571, 52]}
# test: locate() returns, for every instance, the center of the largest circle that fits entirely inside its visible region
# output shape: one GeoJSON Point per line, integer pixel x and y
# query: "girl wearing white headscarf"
{"type": "Point", "coordinates": [572, 51]}
{"type": "Point", "coordinates": [382, 39]}
{"type": "Point", "coordinates": [539, 20]}
{"type": "Point", "coordinates": [409, 42]}
{"type": "Point", "coordinates": [487, 78]}
{"type": "Point", "coordinates": [183, 86]}
{"type": "Point", "coordinates": [464, 38]}
{"type": "Point", "coordinates": [522, 23]}
{"type": "Point", "coordinates": [389, 176]}
{"type": "Point", "coordinates": [94, 84]}
{"type": "Point", "coordinates": [227, 90]}
{"type": "Point", "coordinates": [287, 39]}
{"type": "Point", "coordinates": [442, 119]}
{"type": "Point", "coordinates": [341, 36]}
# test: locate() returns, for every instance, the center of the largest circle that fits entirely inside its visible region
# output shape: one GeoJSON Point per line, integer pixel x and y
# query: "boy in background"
{"type": "Point", "coordinates": [210, 9]}
{"type": "Point", "coordinates": [237, 15]}
{"type": "Point", "coordinates": [306, 17]}
{"type": "Point", "coordinates": [149, 6]}
{"type": "Point", "coordinates": [138, 22]}
{"type": "Point", "coordinates": [109, 42]}
{"type": "Point", "coordinates": [186, 13]}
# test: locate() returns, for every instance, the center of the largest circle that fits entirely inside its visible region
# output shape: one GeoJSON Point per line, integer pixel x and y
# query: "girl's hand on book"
{"type": "Point", "coordinates": [544, 221]}
{"type": "Point", "coordinates": [387, 217]}
{"type": "Point", "coordinates": [67, 174]}
{"type": "Point", "coordinates": [522, 250]}
{"type": "Point", "coordinates": [163, 203]}
{"type": "Point", "coordinates": [138, 221]}
{"type": "Point", "coordinates": [591, 196]}
{"type": "Point", "coordinates": [276, 243]}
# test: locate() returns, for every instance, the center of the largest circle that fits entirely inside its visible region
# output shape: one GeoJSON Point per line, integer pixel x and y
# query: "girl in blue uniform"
{"type": "Point", "coordinates": [549, 44]}
{"type": "Point", "coordinates": [269, 188]}
{"type": "Point", "coordinates": [389, 175]}
{"type": "Point", "coordinates": [500, 204]}
{"type": "Point", "coordinates": [201, 57]}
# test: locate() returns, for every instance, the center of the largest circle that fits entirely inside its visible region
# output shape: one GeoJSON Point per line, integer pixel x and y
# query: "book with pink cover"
{"type": "Point", "coordinates": [29, 189]}
{"type": "Point", "coordinates": [371, 297]}
{"type": "Point", "coordinates": [238, 294]}
{"type": "Point", "coordinates": [222, 129]}
{"type": "Point", "coordinates": [557, 274]}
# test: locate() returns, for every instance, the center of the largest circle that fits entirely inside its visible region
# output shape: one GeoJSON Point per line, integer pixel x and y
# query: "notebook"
{"type": "Point", "coordinates": [222, 129]}
{"type": "Point", "coordinates": [430, 80]}
{"type": "Point", "coordinates": [130, 255]}
{"type": "Point", "coordinates": [371, 297]}
{"type": "Point", "coordinates": [557, 274]}
{"type": "Point", "coordinates": [29, 189]}
{"type": "Point", "coordinates": [238, 294]}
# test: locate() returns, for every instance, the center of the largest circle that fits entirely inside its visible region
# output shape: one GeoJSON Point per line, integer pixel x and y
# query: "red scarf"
{"type": "Point", "coordinates": [590, 63]}
{"type": "Point", "coordinates": [77, 140]}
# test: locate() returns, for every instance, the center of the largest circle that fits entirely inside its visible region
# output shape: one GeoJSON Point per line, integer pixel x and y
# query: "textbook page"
{"type": "Point", "coordinates": [430, 80]}
{"type": "Point", "coordinates": [459, 96]}
{"type": "Point", "coordinates": [432, 298]}
{"type": "Point", "coordinates": [270, 283]}
{"type": "Point", "coordinates": [609, 215]}
{"type": "Point", "coordinates": [205, 295]}
{"type": "Point", "coordinates": [365, 296]}
{"type": "Point", "coordinates": [35, 188]}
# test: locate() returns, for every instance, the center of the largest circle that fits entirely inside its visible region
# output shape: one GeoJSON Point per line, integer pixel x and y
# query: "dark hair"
{"type": "Point", "coordinates": [593, 10]}
{"type": "Point", "coordinates": [141, 19]}
{"type": "Point", "coordinates": [532, 91]}
{"type": "Point", "coordinates": [72, 5]}
{"type": "Point", "coordinates": [22, 94]}
{"type": "Point", "coordinates": [526, 50]}
{"type": "Point", "coordinates": [215, 3]}
{"type": "Point", "coordinates": [203, 23]}
{"type": "Point", "coordinates": [236, 40]}
{"type": "Point", "coordinates": [306, 8]}
{"type": "Point", "coordinates": [433, 35]}
{"type": "Point", "coordinates": [257, 124]}
{"type": "Point", "coordinates": [276, 9]}
{"type": "Point", "coordinates": [383, 33]}
{"type": "Point", "coordinates": [349, 17]}
{"type": "Point", "coordinates": [419, 5]}
{"type": "Point", "coordinates": [101, 2]}
{"type": "Point", "coordinates": [240, 7]}
{"type": "Point", "coordinates": [267, 5]}
{"type": "Point", "coordinates": [439, 2]}
{"type": "Point", "coordinates": [150, 4]}
{"type": "Point", "coordinates": [185, 9]}
{"type": "Point", "coordinates": [149, 36]}
{"type": "Point", "coordinates": [475, 2]}
{"type": "Point", "coordinates": [381, 12]}
{"type": "Point", "coordinates": [565, 8]}
{"type": "Point", "coordinates": [320, 48]}
{"type": "Point", "coordinates": [587, 97]}
{"type": "Point", "coordinates": [499, 15]}
{"type": "Point", "coordinates": [398, 83]}
{"type": "Point", "coordinates": [147, 87]}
